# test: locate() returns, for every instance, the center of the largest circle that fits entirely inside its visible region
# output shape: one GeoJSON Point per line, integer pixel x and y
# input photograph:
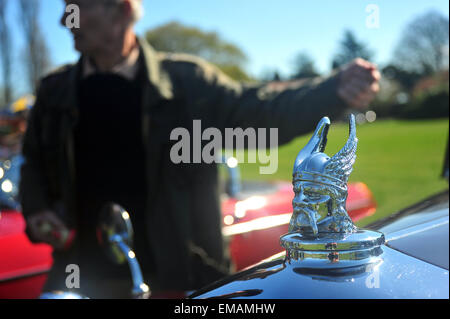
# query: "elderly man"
{"type": "Point", "coordinates": [100, 132]}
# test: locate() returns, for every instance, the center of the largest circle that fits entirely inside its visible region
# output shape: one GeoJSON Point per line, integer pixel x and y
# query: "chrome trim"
{"type": "Point", "coordinates": [117, 233]}
{"type": "Point", "coordinates": [334, 250]}
{"type": "Point", "coordinates": [320, 184]}
{"type": "Point", "coordinates": [321, 234]}
{"type": "Point", "coordinates": [362, 239]}
{"type": "Point", "coordinates": [139, 287]}
{"type": "Point", "coordinates": [57, 295]}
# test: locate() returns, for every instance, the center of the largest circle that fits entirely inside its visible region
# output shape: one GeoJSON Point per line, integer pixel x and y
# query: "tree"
{"type": "Point", "coordinates": [5, 53]}
{"type": "Point", "coordinates": [350, 49]}
{"type": "Point", "coordinates": [270, 75]}
{"type": "Point", "coordinates": [423, 44]}
{"type": "Point", "coordinates": [304, 66]}
{"type": "Point", "coordinates": [175, 37]}
{"type": "Point", "coordinates": [36, 52]}
{"type": "Point", "coordinates": [407, 79]}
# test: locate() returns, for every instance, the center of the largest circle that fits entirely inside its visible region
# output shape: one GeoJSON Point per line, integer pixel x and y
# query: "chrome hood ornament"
{"type": "Point", "coordinates": [320, 184]}
{"type": "Point", "coordinates": [320, 227]}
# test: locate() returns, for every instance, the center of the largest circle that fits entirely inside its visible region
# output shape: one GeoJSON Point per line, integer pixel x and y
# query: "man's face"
{"type": "Point", "coordinates": [311, 204]}
{"type": "Point", "coordinates": [99, 25]}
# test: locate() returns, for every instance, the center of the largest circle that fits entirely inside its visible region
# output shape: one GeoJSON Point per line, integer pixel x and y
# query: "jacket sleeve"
{"type": "Point", "coordinates": [33, 185]}
{"type": "Point", "coordinates": [294, 108]}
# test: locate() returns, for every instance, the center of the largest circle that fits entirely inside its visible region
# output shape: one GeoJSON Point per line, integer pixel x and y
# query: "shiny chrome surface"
{"type": "Point", "coordinates": [326, 255]}
{"type": "Point", "coordinates": [321, 234]}
{"type": "Point", "coordinates": [320, 185]}
{"type": "Point", "coordinates": [140, 289]}
{"type": "Point", "coordinates": [115, 220]}
{"type": "Point", "coordinates": [398, 273]}
{"type": "Point", "coordinates": [117, 236]}
{"type": "Point", "coordinates": [61, 295]}
{"type": "Point", "coordinates": [336, 250]}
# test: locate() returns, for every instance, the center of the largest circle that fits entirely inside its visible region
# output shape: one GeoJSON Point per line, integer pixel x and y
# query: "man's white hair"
{"type": "Point", "coordinates": [136, 5]}
{"type": "Point", "coordinates": [138, 10]}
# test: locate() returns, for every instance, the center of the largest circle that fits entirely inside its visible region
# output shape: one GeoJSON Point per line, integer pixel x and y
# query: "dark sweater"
{"type": "Point", "coordinates": [110, 158]}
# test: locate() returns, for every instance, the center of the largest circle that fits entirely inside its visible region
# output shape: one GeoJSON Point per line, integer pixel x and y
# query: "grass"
{"type": "Point", "coordinates": [400, 161]}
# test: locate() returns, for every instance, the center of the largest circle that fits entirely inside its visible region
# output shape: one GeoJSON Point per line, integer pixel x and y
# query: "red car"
{"type": "Point", "coordinates": [260, 212]}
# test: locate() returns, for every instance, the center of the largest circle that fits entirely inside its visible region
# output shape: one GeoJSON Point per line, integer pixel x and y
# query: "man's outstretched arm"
{"type": "Point", "coordinates": [292, 107]}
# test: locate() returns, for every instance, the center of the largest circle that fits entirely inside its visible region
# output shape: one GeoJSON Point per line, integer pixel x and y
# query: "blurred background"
{"type": "Point", "coordinates": [402, 136]}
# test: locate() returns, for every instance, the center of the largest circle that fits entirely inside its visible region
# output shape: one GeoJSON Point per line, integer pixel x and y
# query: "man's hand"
{"type": "Point", "coordinates": [359, 83]}
{"type": "Point", "coordinates": [42, 227]}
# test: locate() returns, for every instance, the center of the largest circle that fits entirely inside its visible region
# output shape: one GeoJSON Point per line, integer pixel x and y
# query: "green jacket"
{"type": "Point", "coordinates": [183, 220]}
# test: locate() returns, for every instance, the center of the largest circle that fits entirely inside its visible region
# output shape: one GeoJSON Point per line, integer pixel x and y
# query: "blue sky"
{"type": "Point", "coordinates": [270, 32]}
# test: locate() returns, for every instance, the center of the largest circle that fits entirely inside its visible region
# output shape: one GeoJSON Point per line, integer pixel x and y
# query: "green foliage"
{"type": "Point", "coordinates": [304, 66]}
{"type": "Point", "coordinates": [420, 48]}
{"type": "Point", "coordinates": [407, 79]}
{"type": "Point", "coordinates": [400, 161]}
{"type": "Point", "coordinates": [235, 72]}
{"type": "Point", "coordinates": [36, 53]}
{"type": "Point", "coordinates": [432, 104]}
{"type": "Point", "coordinates": [350, 48]}
{"type": "Point", "coordinates": [429, 103]}
{"type": "Point", "coordinates": [5, 54]}
{"type": "Point", "coordinates": [415, 73]}
{"type": "Point", "coordinates": [269, 75]}
{"type": "Point", "coordinates": [175, 37]}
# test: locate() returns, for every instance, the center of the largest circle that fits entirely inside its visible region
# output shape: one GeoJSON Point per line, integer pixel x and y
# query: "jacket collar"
{"type": "Point", "coordinates": [156, 76]}
{"type": "Point", "coordinates": [158, 79]}
{"type": "Point", "coordinates": [127, 68]}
